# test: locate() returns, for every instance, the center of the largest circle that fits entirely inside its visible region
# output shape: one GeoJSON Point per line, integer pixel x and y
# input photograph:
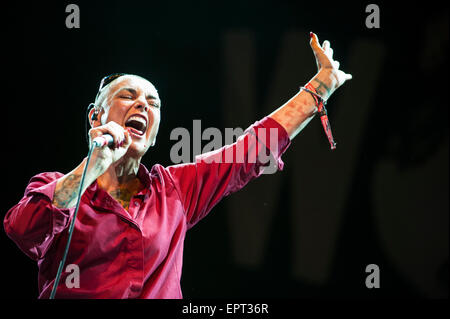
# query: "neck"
{"type": "Point", "coordinates": [120, 174]}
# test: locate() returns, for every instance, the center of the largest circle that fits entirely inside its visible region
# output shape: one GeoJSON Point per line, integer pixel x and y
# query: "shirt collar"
{"type": "Point", "coordinates": [144, 175]}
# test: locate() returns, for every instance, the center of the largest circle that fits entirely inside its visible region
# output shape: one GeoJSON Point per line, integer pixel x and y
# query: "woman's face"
{"type": "Point", "coordinates": [133, 103]}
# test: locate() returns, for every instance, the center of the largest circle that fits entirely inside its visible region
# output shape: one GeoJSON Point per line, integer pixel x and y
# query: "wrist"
{"type": "Point", "coordinates": [97, 166]}
{"type": "Point", "coordinates": [324, 83]}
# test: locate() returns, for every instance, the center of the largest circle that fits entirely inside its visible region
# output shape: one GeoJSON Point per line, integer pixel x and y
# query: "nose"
{"type": "Point", "coordinates": [143, 106]}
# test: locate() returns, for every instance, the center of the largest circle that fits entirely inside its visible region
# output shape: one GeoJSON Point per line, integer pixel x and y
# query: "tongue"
{"type": "Point", "coordinates": [135, 131]}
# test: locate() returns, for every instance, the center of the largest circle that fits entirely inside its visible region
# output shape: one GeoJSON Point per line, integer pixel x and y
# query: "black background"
{"type": "Point", "coordinates": [55, 72]}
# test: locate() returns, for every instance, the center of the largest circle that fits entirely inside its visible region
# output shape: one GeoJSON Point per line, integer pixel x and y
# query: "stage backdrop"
{"type": "Point", "coordinates": [310, 230]}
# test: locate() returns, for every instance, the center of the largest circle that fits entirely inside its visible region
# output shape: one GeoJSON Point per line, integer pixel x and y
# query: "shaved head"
{"type": "Point", "coordinates": [104, 93]}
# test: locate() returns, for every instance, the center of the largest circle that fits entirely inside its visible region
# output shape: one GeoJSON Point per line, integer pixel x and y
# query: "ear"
{"type": "Point", "coordinates": [93, 116]}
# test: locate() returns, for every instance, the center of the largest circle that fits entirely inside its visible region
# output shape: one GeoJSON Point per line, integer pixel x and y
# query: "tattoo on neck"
{"type": "Point", "coordinates": [123, 196]}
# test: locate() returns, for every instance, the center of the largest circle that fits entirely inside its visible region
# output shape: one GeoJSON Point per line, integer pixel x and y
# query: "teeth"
{"type": "Point", "coordinates": [138, 119]}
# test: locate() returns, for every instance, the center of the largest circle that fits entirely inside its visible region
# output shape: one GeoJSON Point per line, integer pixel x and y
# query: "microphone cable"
{"type": "Point", "coordinates": [72, 223]}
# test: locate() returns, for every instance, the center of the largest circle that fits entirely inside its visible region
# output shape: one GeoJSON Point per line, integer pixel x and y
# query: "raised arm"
{"type": "Point", "coordinates": [296, 113]}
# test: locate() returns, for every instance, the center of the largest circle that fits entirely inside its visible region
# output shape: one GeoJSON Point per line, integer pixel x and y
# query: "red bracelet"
{"type": "Point", "coordinates": [320, 103]}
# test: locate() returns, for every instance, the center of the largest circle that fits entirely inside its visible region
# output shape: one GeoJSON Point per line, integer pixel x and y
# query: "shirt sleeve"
{"type": "Point", "coordinates": [34, 222]}
{"type": "Point", "coordinates": [214, 175]}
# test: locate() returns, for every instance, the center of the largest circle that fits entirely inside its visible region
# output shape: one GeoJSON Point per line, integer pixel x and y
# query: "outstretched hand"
{"type": "Point", "coordinates": [329, 77]}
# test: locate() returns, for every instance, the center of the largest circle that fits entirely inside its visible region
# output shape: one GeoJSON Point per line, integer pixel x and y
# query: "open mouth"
{"type": "Point", "coordinates": [137, 124]}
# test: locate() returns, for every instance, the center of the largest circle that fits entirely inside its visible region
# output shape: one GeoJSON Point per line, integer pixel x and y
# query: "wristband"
{"type": "Point", "coordinates": [320, 103]}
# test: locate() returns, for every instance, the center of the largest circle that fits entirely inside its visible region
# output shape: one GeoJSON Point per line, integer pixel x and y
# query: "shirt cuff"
{"type": "Point", "coordinates": [273, 136]}
{"type": "Point", "coordinates": [61, 216]}
{"type": "Point", "coordinates": [48, 190]}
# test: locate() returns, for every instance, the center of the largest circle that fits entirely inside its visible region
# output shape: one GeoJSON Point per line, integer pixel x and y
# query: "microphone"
{"type": "Point", "coordinates": [105, 139]}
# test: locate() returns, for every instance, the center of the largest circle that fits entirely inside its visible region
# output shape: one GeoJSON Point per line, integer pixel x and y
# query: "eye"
{"type": "Point", "coordinates": [154, 104]}
{"type": "Point", "coordinates": [129, 97]}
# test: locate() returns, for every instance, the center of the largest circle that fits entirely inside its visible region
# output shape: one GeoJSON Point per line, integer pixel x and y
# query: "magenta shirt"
{"type": "Point", "coordinates": [121, 256]}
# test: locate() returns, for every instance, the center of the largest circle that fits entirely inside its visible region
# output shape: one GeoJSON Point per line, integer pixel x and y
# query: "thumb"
{"type": "Point", "coordinates": [314, 42]}
{"type": "Point", "coordinates": [318, 51]}
{"type": "Point", "coordinates": [128, 139]}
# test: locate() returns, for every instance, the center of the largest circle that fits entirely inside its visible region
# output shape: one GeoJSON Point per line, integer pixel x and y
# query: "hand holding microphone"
{"type": "Point", "coordinates": [104, 140]}
{"type": "Point", "coordinates": [111, 142]}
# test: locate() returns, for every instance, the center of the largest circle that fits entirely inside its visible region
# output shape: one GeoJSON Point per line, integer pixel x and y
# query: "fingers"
{"type": "Point", "coordinates": [94, 132]}
{"type": "Point", "coordinates": [314, 42]}
{"type": "Point", "coordinates": [336, 64]}
{"type": "Point", "coordinates": [127, 141]}
{"type": "Point", "coordinates": [317, 49]}
{"type": "Point", "coordinates": [342, 77]}
{"type": "Point", "coordinates": [322, 58]}
{"type": "Point", "coordinates": [116, 131]}
{"type": "Point", "coordinates": [327, 49]}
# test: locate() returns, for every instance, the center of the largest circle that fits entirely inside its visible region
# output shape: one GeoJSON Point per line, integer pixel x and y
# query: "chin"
{"type": "Point", "coordinates": [136, 150]}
